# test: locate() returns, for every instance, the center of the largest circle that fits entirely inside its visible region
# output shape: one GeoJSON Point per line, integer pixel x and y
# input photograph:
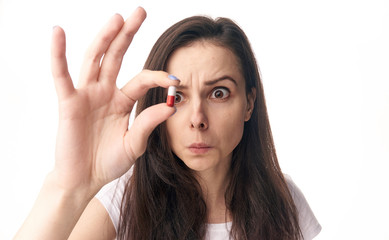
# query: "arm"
{"type": "Point", "coordinates": [94, 145]}
{"type": "Point", "coordinates": [54, 213]}
{"type": "Point", "coordinates": [94, 223]}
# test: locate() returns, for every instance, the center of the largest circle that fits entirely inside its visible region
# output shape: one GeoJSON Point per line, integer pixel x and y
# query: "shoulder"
{"type": "Point", "coordinates": [309, 225]}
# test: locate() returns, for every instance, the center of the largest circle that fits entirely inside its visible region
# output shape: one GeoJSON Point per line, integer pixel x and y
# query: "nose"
{"type": "Point", "coordinates": [198, 117]}
{"type": "Point", "coordinates": [199, 126]}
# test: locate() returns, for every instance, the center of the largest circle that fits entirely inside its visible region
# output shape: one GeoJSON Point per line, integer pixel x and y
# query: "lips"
{"type": "Point", "coordinates": [199, 148]}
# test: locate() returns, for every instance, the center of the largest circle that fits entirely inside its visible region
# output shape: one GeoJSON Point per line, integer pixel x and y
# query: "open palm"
{"type": "Point", "coordinates": [94, 144]}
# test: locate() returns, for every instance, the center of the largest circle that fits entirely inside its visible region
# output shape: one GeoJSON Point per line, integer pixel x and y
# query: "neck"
{"type": "Point", "coordinates": [214, 184]}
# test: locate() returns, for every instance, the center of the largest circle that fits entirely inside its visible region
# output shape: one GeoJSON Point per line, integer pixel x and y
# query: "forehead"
{"type": "Point", "coordinates": [203, 59]}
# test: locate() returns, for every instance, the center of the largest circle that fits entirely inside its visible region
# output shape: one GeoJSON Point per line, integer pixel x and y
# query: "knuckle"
{"type": "Point", "coordinates": [92, 55]}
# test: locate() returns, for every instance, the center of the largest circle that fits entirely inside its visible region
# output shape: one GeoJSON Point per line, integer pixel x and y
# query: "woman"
{"type": "Point", "coordinates": [208, 171]}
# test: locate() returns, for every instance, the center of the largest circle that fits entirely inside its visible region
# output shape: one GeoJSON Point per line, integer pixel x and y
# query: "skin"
{"type": "Point", "coordinates": [94, 145]}
{"type": "Point", "coordinates": [212, 106]}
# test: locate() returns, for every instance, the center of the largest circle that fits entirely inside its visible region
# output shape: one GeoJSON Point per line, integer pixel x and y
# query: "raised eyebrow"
{"type": "Point", "coordinates": [212, 82]}
{"type": "Point", "coordinates": [181, 87]}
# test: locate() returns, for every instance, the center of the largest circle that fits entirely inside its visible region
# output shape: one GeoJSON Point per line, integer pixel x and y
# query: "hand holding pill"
{"type": "Point", "coordinates": [96, 113]}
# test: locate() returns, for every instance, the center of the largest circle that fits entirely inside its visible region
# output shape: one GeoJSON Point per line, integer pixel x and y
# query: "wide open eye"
{"type": "Point", "coordinates": [179, 97]}
{"type": "Point", "coordinates": [220, 93]}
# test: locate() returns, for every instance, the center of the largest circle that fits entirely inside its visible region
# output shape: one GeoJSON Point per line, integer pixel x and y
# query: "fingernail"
{"type": "Point", "coordinates": [172, 77]}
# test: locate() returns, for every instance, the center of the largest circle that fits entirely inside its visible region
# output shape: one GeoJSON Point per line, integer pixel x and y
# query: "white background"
{"type": "Point", "coordinates": [325, 71]}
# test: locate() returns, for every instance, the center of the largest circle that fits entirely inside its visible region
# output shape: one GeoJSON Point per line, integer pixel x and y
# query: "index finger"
{"type": "Point", "coordinates": [141, 83]}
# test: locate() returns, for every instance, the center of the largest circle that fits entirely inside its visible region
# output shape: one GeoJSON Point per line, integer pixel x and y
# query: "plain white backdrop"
{"type": "Point", "coordinates": [325, 69]}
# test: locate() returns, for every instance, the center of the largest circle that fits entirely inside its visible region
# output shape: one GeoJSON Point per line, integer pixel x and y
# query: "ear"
{"type": "Point", "coordinates": [251, 96]}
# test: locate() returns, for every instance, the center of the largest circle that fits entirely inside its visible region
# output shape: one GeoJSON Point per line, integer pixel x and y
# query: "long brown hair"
{"type": "Point", "coordinates": [163, 200]}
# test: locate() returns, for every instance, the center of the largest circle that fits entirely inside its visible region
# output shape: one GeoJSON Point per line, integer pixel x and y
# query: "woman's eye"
{"type": "Point", "coordinates": [179, 97]}
{"type": "Point", "coordinates": [220, 93]}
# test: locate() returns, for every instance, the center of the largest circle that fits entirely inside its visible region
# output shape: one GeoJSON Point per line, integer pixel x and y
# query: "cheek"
{"type": "Point", "coordinates": [234, 116]}
{"type": "Point", "coordinates": [230, 129]}
{"type": "Point", "coordinates": [237, 130]}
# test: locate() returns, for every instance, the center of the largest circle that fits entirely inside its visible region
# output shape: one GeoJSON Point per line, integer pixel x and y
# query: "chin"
{"type": "Point", "coordinates": [199, 164]}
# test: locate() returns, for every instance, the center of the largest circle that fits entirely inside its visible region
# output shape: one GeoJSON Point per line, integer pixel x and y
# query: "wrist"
{"type": "Point", "coordinates": [77, 194]}
{"type": "Point", "coordinates": [56, 211]}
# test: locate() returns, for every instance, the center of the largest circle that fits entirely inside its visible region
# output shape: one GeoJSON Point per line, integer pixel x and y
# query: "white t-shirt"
{"type": "Point", "coordinates": [111, 197]}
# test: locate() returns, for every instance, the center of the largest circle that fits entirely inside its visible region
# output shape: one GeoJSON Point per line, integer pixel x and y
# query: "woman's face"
{"type": "Point", "coordinates": [212, 106]}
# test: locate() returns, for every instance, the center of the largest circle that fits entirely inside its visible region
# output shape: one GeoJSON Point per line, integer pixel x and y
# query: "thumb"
{"type": "Point", "coordinates": [135, 139]}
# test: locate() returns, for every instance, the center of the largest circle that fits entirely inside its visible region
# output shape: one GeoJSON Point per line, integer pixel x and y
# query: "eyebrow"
{"type": "Point", "coordinates": [214, 81]}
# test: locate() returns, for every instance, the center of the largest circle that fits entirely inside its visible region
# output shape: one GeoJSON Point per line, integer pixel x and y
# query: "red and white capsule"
{"type": "Point", "coordinates": [171, 96]}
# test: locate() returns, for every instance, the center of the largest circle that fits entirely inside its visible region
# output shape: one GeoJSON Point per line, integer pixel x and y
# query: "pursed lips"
{"type": "Point", "coordinates": [199, 148]}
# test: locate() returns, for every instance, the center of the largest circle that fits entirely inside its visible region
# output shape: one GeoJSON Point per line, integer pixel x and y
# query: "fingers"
{"type": "Point", "coordinates": [59, 67]}
{"type": "Point", "coordinates": [145, 80]}
{"type": "Point", "coordinates": [91, 64]}
{"type": "Point", "coordinates": [114, 55]}
{"type": "Point", "coordinates": [135, 140]}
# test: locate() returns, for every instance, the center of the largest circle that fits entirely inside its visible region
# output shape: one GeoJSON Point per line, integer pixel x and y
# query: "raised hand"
{"type": "Point", "coordinates": [94, 145]}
